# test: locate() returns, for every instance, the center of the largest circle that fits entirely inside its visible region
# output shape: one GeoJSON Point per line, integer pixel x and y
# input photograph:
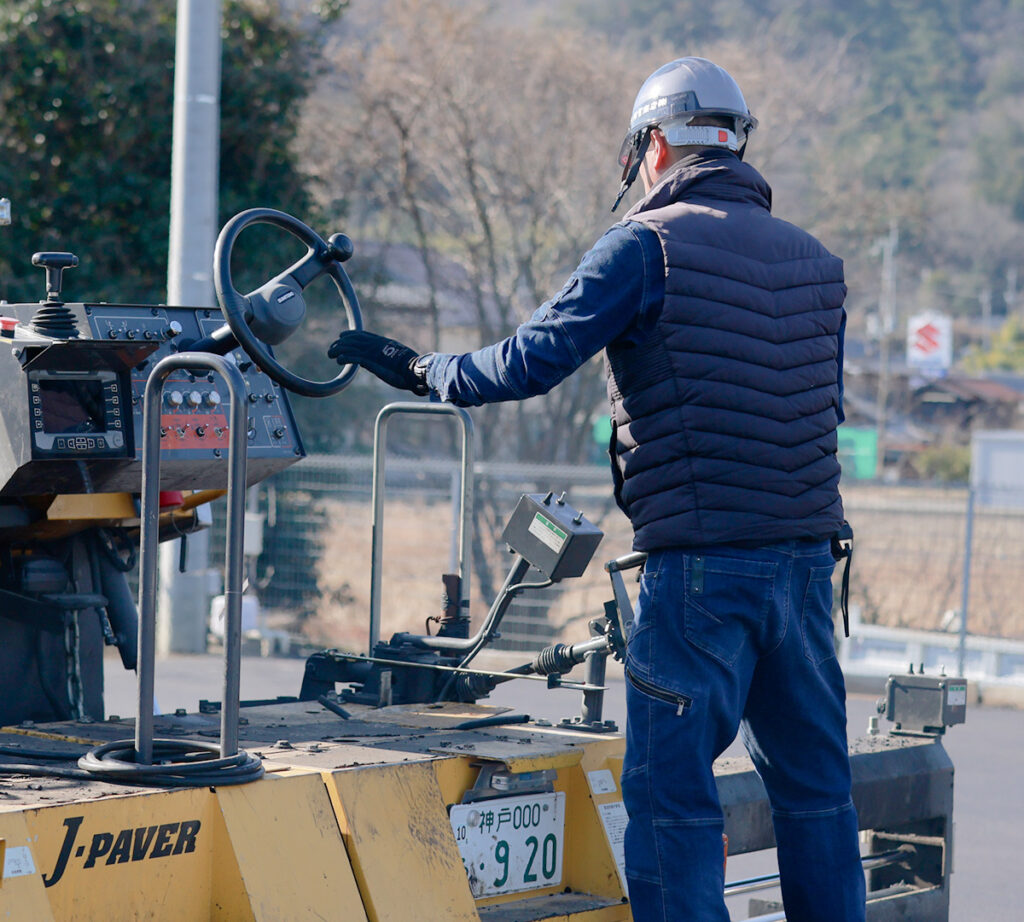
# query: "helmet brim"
{"type": "Point", "coordinates": [745, 123]}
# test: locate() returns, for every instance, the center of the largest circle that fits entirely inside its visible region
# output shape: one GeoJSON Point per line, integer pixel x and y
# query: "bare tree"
{"type": "Point", "coordinates": [493, 148]}
{"type": "Point", "coordinates": [485, 146]}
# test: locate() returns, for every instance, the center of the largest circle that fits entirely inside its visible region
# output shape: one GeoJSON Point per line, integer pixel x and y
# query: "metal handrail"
{"type": "Point", "coordinates": [767, 881]}
{"type": "Point", "coordinates": [149, 546]}
{"type": "Point", "coordinates": [377, 522]}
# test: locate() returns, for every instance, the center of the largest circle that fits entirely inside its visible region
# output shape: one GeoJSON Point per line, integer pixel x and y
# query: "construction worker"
{"type": "Point", "coordinates": [723, 335]}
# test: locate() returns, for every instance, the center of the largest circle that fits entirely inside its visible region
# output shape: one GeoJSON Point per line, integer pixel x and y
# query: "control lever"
{"type": "Point", "coordinates": [54, 264]}
{"type": "Point", "coordinates": [53, 320]}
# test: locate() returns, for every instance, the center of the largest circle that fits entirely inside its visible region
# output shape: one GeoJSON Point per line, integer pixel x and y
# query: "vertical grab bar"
{"type": "Point", "coordinates": [149, 541]}
{"type": "Point", "coordinates": [465, 501]}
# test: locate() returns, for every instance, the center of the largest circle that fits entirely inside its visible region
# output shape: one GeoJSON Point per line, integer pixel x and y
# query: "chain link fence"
{"type": "Point", "coordinates": [924, 555]}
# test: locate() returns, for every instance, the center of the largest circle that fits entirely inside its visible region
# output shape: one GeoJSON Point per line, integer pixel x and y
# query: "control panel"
{"type": "Point", "coordinates": [79, 403]}
{"type": "Point", "coordinates": [193, 418]}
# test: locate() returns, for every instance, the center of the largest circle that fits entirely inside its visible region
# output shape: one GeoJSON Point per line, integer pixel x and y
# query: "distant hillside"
{"type": "Point", "coordinates": [918, 120]}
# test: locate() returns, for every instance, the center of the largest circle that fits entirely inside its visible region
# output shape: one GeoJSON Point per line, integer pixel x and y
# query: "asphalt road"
{"type": "Point", "coordinates": [987, 752]}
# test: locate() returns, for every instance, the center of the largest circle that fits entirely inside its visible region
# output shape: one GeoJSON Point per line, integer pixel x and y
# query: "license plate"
{"type": "Point", "coordinates": [511, 844]}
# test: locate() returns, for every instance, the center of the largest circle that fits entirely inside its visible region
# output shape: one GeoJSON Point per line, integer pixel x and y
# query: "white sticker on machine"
{"type": "Point", "coordinates": [613, 816]}
{"type": "Point", "coordinates": [547, 532]}
{"type": "Point", "coordinates": [18, 861]}
{"type": "Point", "coordinates": [957, 696]}
{"type": "Point", "coordinates": [601, 781]}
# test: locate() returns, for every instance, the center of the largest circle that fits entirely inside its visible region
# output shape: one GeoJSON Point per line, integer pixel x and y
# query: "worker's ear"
{"type": "Point", "coordinates": [660, 150]}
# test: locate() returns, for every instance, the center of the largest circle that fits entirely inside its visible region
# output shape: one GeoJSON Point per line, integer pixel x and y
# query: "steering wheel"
{"type": "Point", "coordinates": [272, 312]}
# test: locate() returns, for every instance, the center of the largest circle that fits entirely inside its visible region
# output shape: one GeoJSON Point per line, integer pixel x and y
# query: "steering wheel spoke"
{"type": "Point", "coordinates": [274, 311]}
{"type": "Point", "coordinates": [308, 269]}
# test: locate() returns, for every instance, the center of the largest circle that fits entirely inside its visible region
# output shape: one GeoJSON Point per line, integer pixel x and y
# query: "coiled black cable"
{"type": "Point", "coordinates": [176, 764]}
{"type": "Point", "coordinates": [196, 764]}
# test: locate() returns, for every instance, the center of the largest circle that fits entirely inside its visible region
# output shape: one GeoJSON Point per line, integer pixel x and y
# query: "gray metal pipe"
{"type": "Point", "coordinates": [520, 567]}
{"type": "Point", "coordinates": [614, 569]}
{"type": "Point", "coordinates": [767, 881]}
{"type": "Point", "coordinates": [592, 710]}
{"type": "Point", "coordinates": [377, 518]}
{"type": "Point", "coordinates": [965, 595]}
{"type": "Point", "coordinates": [149, 547]}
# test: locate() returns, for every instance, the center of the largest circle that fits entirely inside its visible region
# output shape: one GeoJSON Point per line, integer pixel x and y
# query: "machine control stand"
{"type": "Point", "coordinates": [920, 705]}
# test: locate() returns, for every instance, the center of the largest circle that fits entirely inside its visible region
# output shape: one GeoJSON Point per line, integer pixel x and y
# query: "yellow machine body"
{"type": "Point", "coordinates": [340, 828]}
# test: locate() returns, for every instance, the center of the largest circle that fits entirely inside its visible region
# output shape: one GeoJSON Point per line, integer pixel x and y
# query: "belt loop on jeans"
{"type": "Point", "coordinates": [842, 548]}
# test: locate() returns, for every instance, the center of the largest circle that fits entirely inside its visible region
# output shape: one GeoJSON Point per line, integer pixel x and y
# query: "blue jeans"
{"type": "Point", "coordinates": [733, 639]}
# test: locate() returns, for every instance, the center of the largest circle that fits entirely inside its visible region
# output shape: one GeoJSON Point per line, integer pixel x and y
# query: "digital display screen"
{"type": "Point", "coordinates": [73, 405]}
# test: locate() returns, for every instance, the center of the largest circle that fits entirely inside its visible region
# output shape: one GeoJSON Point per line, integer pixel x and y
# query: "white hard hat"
{"type": "Point", "coordinates": [680, 90]}
{"type": "Point", "coordinates": [670, 98]}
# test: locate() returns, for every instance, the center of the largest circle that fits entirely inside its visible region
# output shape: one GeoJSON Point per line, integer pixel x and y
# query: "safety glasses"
{"type": "Point", "coordinates": [634, 148]}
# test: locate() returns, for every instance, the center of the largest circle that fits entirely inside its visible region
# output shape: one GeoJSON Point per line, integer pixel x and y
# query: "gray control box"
{"type": "Point", "coordinates": [920, 704]}
{"type": "Point", "coordinates": [552, 536]}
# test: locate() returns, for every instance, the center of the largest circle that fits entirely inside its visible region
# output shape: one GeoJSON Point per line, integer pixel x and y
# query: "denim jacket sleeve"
{"type": "Point", "coordinates": [617, 290]}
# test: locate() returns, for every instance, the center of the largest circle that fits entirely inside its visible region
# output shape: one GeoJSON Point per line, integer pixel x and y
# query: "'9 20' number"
{"type": "Point", "coordinates": [548, 859]}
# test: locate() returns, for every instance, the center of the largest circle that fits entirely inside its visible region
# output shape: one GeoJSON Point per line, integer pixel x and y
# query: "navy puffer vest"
{"type": "Point", "coordinates": [724, 418]}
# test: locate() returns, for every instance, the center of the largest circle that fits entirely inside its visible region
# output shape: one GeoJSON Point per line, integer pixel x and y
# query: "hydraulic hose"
{"type": "Point", "coordinates": [43, 771]}
{"type": "Point", "coordinates": [27, 752]}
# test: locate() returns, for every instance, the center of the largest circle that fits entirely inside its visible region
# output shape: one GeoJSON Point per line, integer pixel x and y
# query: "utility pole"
{"type": "Point", "coordinates": [195, 157]}
{"type": "Point", "coordinates": [985, 297]}
{"type": "Point", "coordinates": [195, 154]}
{"type": "Point", "coordinates": [1011, 290]}
{"type": "Point", "coordinates": [887, 324]}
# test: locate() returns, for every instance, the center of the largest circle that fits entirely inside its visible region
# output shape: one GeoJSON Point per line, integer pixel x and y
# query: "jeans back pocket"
{"type": "Point", "coordinates": [727, 602]}
{"type": "Point", "coordinates": [816, 616]}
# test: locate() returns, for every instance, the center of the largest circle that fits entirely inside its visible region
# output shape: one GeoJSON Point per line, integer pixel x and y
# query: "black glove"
{"type": "Point", "coordinates": [388, 359]}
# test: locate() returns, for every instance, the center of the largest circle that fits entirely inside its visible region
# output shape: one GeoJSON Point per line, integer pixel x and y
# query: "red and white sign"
{"type": "Point", "coordinates": [930, 341]}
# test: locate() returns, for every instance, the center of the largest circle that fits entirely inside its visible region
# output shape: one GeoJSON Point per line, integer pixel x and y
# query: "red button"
{"type": "Point", "coordinates": [171, 499]}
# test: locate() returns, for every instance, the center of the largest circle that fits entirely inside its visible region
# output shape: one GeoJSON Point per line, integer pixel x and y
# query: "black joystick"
{"type": "Point", "coordinates": [54, 264]}
{"type": "Point", "coordinates": [53, 319]}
